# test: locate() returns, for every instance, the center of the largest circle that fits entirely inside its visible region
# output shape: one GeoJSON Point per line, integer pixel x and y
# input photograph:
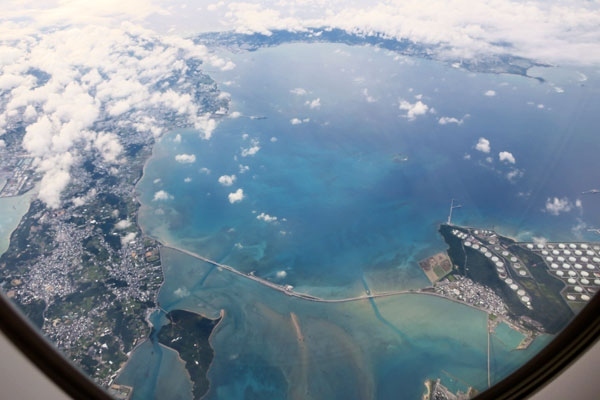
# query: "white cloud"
{"type": "Point", "coordinates": [243, 169]}
{"type": "Point", "coordinates": [368, 97]}
{"type": "Point", "coordinates": [507, 157]}
{"type": "Point", "coordinates": [227, 180]}
{"type": "Point", "coordinates": [185, 158]}
{"type": "Point", "coordinates": [280, 274]}
{"type": "Point", "coordinates": [314, 104]}
{"type": "Point", "coordinates": [236, 196]}
{"type": "Point", "coordinates": [450, 120]}
{"type": "Point", "coordinates": [187, 179]}
{"type": "Point", "coordinates": [273, 139]}
{"type": "Point", "coordinates": [177, 138]}
{"type": "Point", "coordinates": [413, 110]}
{"type": "Point", "coordinates": [204, 171]}
{"type": "Point", "coordinates": [295, 121]}
{"type": "Point", "coordinates": [514, 174]}
{"type": "Point", "coordinates": [181, 292]}
{"type": "Point", "coordinates": [483, 145]}
{"type": "Point", "coordinates": [555, 206]}
{"type": "Point", "coordinates": [128, 238]}
{"type": "Point", "coordinates": [123, 224]}
{"type": "Point", "coordinates": [266, 217]}
{"type": "Point", "coordinates": [490, 93]}
{"type": "Point", "coordinates": [299, 91]}
{"type": "Point", "coordinates": [162, 195]}
{"type": "Point", "coordinates": [235, 114]}
{"type": "Point", "coordinates": [97, 74]}
{"type": "Point", "coordinates": [252, 150]}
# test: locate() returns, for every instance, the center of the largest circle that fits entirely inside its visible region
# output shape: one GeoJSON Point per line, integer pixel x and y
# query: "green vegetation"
{"type": "Point", "coordinates": [188, 334]}
{"type": "Point", "coordinates": [549, 308]}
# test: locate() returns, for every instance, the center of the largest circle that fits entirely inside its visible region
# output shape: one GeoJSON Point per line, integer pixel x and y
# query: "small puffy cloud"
{"type": "Point", "coordinates": [295, 121]}
{"type": "Point", "coordinates": [413, 110]}
{"type": "Point", "coordinates": [280, 274]}
{"type": "Point", "coordinates": [539, 240]}
{"type": "Point", "coordinates": [181, 292]}
{"type": "Point", "coordinates": [204, 171]}
{"type": "Point", "coordinates": [123, 224]}
{"type": "Point", "coordinates": [227, 180]}
{"type": "Point", "coordinates": [507, 157]}
{"type": "Point", "coordinates": [252, 150]}
{"type": "Point", "coordinates": [185, 158]}
{"type": "Point", "coordinates": [273, 139]}
{"type": "Point", "coordinates": [514, 174]}
{"type": "Point", "coordinates": [177, 138]}
{"type": "Point", "coordinates": [235, 114]}
{"type": "Point", "coordinates": [483, 145]}
{"type": "Point", "coordinates": [467, 156]}
{"type": "Point", "coordinates": [266, 217]}
{"type": "Point", "coordinates": [128, 238]}
{"type": "Point", "coordinates": [314, 104]}
{"type": "Point", "coordinates": [236, 196]}
{"type": "Point", "coordinates": [368, 97]}
{"type": "Point", "coordinates": [109, 146]}
{"type": "Point", "coordinates": [162, 195]}
{"type": "Point", "coordinates": [187, 179]}
{"type": "Point", "coordinates": [450, 120]}
{"type": "Point", "coordinates": [299, 91]}
{"type": "Point", "coordinates": [556, 206]}
{"type": "Point", "coordinates": [243, 169]}
{"type": "Point", "coordinates": [490, 93]}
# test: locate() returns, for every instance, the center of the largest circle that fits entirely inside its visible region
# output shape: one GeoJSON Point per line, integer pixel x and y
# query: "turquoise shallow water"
{"type": "Point", "coordinates": [338, 188]}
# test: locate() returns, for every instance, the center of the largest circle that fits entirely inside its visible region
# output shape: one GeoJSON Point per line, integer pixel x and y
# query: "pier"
{"type": "Point", "coordinates": [452, 207]}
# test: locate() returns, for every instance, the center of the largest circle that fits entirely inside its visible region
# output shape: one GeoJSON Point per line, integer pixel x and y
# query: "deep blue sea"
{"type": "Point", "coordinates": [332, 173]}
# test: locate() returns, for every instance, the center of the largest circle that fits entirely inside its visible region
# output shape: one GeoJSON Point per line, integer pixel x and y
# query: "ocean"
{"type": "Point", "coordinates": [332, 173]}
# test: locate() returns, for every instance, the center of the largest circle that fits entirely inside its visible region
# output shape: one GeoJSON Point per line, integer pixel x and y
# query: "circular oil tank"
{"type": "Point", "coordinates": [476, 246]}
{"type": "Point", "coordinates": [597, 282]}
{"type": "Point", "coordinates": [584, 259]}
{"type": "Point", "coordinates": [521, 292]}
{"type": "Point", "coordinates": [514, 287]}
{"type": "Point", "coordinates": [585, 274]}
{"type": "Point", "coordinates": [578, 289]}
{"type": "Point", "coordinates": [561, 246]}
{"type": "Point", "coordinates": [596, 260]}
{"type": "Point", "coordinates": [572, 245]}
{"type": "Point", "coordinates": [570, 297]}
{"type": "Point", "coordinates": [585, 297]}
{"type": "Point", "coordinates": [567, 252]}
{"type": "Point", "coordinates": [578, 266]}
{"type": "Point", "coordinates": [572, 281]}
{"type": "Point", "coordinates": [590, 267]}
{"type": "Point", "coordinates": [555, 252]}
{"type": "Point", "coordinates": [514, 259]}
{"type": "Point", "coordinates": [566, 266]}
{"type": "Point", "coordinates": [554, 265]}
{"type": "Point", "coordinates": [488, 254]}
{"type": "Point", "coordinates": [583, 246]}
{"type": "Point", "coordinates": [522, 273]}
{"type": "Point", "coordinates": [560, 273]}
{"type": "Point", "coordinates": [505, 253]}
{"type": "Point", "coordinates": [549, 259]}
{"type": "Point", "coordinates": [572, 259]}
{"type": "Point", "coordinates": [500, 264]}
{"type": "Point", "coordinates": [525, 299]}
{"type": "Point", "coordinates": [572, 273]}
{"type": "Point", "coordinates": [508, 281]}
{"type": "Point", "coordinates": [561, 258]}
{"type": "Point", "coordinates": [468, 244]}
{"type": "Point", "coordinates": [529, 246]}
{"type": "Point", "coordinates": [578, 253]}
{"type": "Point", "coordinates": [494, 259]}
{"type": "Point", "coordinates": [584, 281]}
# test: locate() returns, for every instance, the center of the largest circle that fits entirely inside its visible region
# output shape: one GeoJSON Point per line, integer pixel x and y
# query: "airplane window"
{"type": "Point", "coordinates": [301, 200]}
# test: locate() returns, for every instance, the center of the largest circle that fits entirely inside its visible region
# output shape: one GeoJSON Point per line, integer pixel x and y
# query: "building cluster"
{"type": "Point", "coordinates": [465, 290]}
{"type": "Point", "coordinates": [16, 173]}
{"type": "Point", "coordinates": [509, 267]}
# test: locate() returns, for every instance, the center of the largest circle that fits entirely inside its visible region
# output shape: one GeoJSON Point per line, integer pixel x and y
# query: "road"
{"type": "Point", "coordinates": [290, 292]}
